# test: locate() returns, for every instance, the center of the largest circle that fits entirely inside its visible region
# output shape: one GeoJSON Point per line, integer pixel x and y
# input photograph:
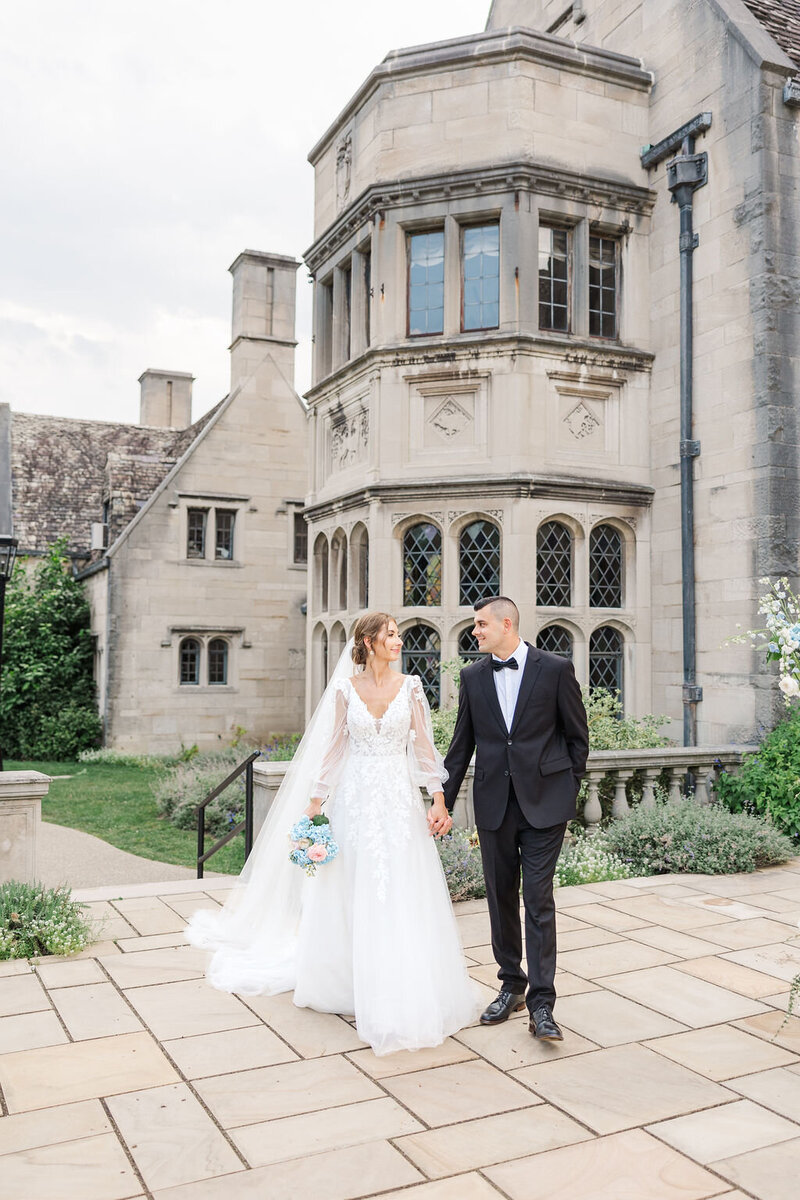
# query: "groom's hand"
{"type": "Point", "coordinates": [439, 820]}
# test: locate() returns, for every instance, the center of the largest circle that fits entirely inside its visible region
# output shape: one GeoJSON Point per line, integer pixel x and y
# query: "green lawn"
{"type": "Point", "coordinates": [115, 803]}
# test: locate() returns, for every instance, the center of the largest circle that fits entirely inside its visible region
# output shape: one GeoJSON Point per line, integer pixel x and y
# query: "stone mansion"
{"type": "Point", "coordinates": [511, 322]}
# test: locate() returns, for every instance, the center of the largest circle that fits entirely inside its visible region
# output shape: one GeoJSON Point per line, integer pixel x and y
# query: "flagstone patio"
{"type": "Point", "coordinates": [123, 1075]}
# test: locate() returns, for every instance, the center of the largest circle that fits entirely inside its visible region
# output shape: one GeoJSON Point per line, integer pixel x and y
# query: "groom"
{"type": "Point", "coordinates": [522, 709]}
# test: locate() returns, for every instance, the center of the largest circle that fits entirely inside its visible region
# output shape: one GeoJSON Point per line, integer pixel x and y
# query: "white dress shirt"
{"type": "Point", "coordinates": [507, 683]}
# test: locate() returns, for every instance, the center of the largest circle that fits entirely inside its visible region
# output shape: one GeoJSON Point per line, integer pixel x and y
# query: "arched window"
{"type": "Point", "coordinates": [339, 569]}
{"type": "Point", "coordinates": [189, 654]}
{"type": "Point", "coordinates": [605, 567]}
{"type": "Point", "coordinates": [422, 656]}
{"type": "Point", "coordinates": [359, 566]}
{"type": "Point", "coordinates": [554, 565]}
{"type": "Point", "coordinates": [467, 646]}
{"type": "Point", "coordinates": [321, 573]}
{"type": "Point", "coordinates": [605, 659]}
{"type": "Point", "coordinates": [556, 640]}
{"type": "Point", "coordinates": [422, 565]}
{"type": "Point", "coordinates": [323, 654]}
{"type": "Point", "coordinates": [479, 562]}
{"type": "Point", "coordinates": [218, 661]}
{"type": "Point", "coordinates": [337, 644]}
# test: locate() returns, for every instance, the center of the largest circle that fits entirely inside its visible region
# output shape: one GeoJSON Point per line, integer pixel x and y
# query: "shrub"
{"type": "Point", "coordinates": [118, 758]}
{"type": "Point", "coordinates": [180, 788]}
{"type": "Point", "coordinates": [684, 836]}
{"type": "Point", "coordinates": [47, 704]}
{"type": "Point", "coordinates": [186, 783]}
{"type": "Point", "coordinates": [768, 782]}
{"type": "Point", "coordinates": [610, 729]}
{"type": "Point", "coordinates": [461, 861]}
{"type": "Point", "coordinates": [35, 920]}
{"type": "Point", "coordinates": [586, 860]}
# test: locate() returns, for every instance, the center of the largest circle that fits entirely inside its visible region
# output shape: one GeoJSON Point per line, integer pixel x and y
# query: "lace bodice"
{"type": "Point", "coordinates": [404, 729]}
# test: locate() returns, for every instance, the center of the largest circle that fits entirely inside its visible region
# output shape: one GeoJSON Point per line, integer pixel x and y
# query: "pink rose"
{"type": "Point", "coordinates": [317, 853]}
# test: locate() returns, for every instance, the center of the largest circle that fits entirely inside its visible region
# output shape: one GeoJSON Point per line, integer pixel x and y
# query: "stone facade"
{"type": "Point", "coordinates": [186, 537]}
{"type": "Point", "coordinates": [544, 418]}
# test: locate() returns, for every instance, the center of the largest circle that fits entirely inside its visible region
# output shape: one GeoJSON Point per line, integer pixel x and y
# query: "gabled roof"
{"type": "Point", "coordinates": [62, 469]}
{"type": "Point", "coordinates": [781, 19]}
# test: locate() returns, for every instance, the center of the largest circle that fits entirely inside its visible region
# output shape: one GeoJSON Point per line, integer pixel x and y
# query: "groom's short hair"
{"type": "Point", "coordinates": [502, 607]}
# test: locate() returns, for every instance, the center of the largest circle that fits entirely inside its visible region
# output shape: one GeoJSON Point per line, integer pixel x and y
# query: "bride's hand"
{"type": "Point", "coordinates": [439, 820]}
{"type": "Point", "coordinates": [313, 808]}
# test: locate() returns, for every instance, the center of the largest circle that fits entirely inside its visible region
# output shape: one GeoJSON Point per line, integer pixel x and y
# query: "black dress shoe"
{"type": "Point", "coordinates": [543, 1025]}
{"type": "Point", "coordinates": [502, 1008]}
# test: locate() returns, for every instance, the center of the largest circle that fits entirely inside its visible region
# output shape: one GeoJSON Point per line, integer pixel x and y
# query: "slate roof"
{"type": "Point", "coordinates": [781, 19]}
{"type": "Point", "coordinates": [62, 469]}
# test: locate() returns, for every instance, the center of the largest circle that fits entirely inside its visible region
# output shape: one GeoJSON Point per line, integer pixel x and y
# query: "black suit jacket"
{"type": "Point", "coordinates": [543, 754]}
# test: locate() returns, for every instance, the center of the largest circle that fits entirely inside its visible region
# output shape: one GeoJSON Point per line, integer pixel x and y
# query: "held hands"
{"type": "Point", "coordinates": [439, 820]}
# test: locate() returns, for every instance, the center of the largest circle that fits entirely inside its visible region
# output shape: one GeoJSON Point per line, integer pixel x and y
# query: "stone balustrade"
{"type": "Point", "coordinates": [21, 794]}
{"type": "Point", "coordinates": [669, 765]}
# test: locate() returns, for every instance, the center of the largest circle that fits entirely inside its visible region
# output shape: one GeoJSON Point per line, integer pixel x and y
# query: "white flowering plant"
{"type": "Point", "coordinates": [781, 608]}
{"type": "Point", "coordinates": [36, 921]}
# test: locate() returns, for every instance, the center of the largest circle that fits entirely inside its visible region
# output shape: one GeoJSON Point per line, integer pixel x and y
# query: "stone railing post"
{"type": "Point", "coordinates": [619, 805]}
{"type": "Point", "coordinates": [651, 775]}
{"type": "Point", "coordinates": [21, 794]}
{"type": "Point", "coordinates": [592, 809]}
{"type": "Point", "coordinates": [267, 778]}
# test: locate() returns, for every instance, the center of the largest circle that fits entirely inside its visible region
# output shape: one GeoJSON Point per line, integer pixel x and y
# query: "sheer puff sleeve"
{"type": "Point", "coordinates": [427, 764]}
{"type": "Point", "coordinates": [336, 753]}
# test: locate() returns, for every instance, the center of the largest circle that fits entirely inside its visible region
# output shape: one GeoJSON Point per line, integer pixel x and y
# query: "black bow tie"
{"type": "Point", "coordinates": [511, 663]}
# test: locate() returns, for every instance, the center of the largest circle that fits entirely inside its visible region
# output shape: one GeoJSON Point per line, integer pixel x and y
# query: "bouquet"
{"type": "Point", "coordinates": [312, 843]}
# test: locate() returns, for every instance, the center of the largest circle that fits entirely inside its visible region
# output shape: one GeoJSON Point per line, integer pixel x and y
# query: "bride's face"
{"type": "Point", "coordinates": [388, 644]}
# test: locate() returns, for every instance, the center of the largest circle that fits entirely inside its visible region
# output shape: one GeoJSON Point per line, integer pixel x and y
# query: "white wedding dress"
{"type": "Point", "coordinates": [373, 932]}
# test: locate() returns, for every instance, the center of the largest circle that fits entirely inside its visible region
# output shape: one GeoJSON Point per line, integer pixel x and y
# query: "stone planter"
{"type": "Point", "coordinates": [21, 795]}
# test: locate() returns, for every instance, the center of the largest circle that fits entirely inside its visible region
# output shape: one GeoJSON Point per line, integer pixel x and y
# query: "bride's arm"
{"type": "Point", "coordinates": [334, 757]}
{"type": "Point", "coordinates": [429, 763]}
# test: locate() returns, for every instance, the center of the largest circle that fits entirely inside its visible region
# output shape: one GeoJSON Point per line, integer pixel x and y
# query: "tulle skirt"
{"type": "Point", "coordinates": [378, 938]}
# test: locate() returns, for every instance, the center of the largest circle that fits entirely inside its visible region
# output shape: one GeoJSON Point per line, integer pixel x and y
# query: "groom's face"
{"type": "Point", "coordinates": [489, 630]}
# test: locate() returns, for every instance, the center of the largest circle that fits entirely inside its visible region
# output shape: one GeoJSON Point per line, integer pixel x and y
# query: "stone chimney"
{"type": "Point", "coordinates": [264, 291]}
{"type": "Point", "coordinates": [166, 399]}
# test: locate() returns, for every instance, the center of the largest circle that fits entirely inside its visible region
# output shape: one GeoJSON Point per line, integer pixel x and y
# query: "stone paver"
{"type": "Point", "coordinates": [124, 1075]}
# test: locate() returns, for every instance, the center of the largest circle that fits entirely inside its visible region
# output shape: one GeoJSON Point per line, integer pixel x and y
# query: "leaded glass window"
{"type": "Point", "coordinates": [605, 659]}
{"type": "Point", "coordinates": [218, 661]}
{"type": "Point", "coordinates": [554, 565]}
{"type": "Point", "coordinates": [196, 533]}
{"type": "Point", "coordinates": [553, 278]}
{"type": "Point", "coordinates": [321, 572]}
{"type": "Point", "coordinates": [224, 523]}
{"type": "Point", "coordinates": [603, 286]}
{"type": "Point", "coordinates": [479, 562]}
{"type": "Point", "coordinates": [422, 566]}
{"type": "Point", "coordinates": [481, 277]}
{"type": "Point", "coordinates": [422, 656]}
{"type": "Point", "coordinates": [555, 639]}
{"type": "Point", "coordinates": [605, 567]}
{"type": "Point", "coordinates": [189, 655]}
{"type": "Point", "coordinates": [426, 282]}
{"type": "Point", "coordinates": [300, 530]}
{"type": "Point", "coordinates": [467, 646]}
{"type": "Point", "coordinates": [323, 650]}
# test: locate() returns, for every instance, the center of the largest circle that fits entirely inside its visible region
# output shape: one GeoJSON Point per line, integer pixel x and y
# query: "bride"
{"type": "Point", "coordinates": [373, 932]}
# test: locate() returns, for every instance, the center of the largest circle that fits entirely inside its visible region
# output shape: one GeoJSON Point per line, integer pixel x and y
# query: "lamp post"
{"type": "Point", "coordinates": [8, 554]}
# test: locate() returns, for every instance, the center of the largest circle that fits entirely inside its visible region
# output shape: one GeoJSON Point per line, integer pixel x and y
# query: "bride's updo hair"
{"type": "Point", "coordinates": [371, 625]}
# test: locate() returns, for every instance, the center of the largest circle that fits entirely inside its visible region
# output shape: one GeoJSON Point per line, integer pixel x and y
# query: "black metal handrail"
{"type": "Point", "coordinates": [204, 855]}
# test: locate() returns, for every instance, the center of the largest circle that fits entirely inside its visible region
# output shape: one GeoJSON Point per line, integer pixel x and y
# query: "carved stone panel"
{"type": "Point", "coordinates": [347, 437]}
{"type": "Point", "coordinates": [447, 417]}
{"type": "Point", "coordinates": [583, 418]}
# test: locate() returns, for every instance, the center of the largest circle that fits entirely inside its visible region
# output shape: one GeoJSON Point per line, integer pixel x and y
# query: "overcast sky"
{"type": "Point", "coordinates": [143, 145]}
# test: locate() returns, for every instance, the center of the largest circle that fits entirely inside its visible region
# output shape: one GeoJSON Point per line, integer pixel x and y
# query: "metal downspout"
{"type": "Point", "coordinates": [686, 172]}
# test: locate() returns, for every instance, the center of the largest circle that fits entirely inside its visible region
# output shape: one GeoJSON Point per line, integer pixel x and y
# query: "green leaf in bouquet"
{"type": "Point", "coordinates": [320, 819]}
